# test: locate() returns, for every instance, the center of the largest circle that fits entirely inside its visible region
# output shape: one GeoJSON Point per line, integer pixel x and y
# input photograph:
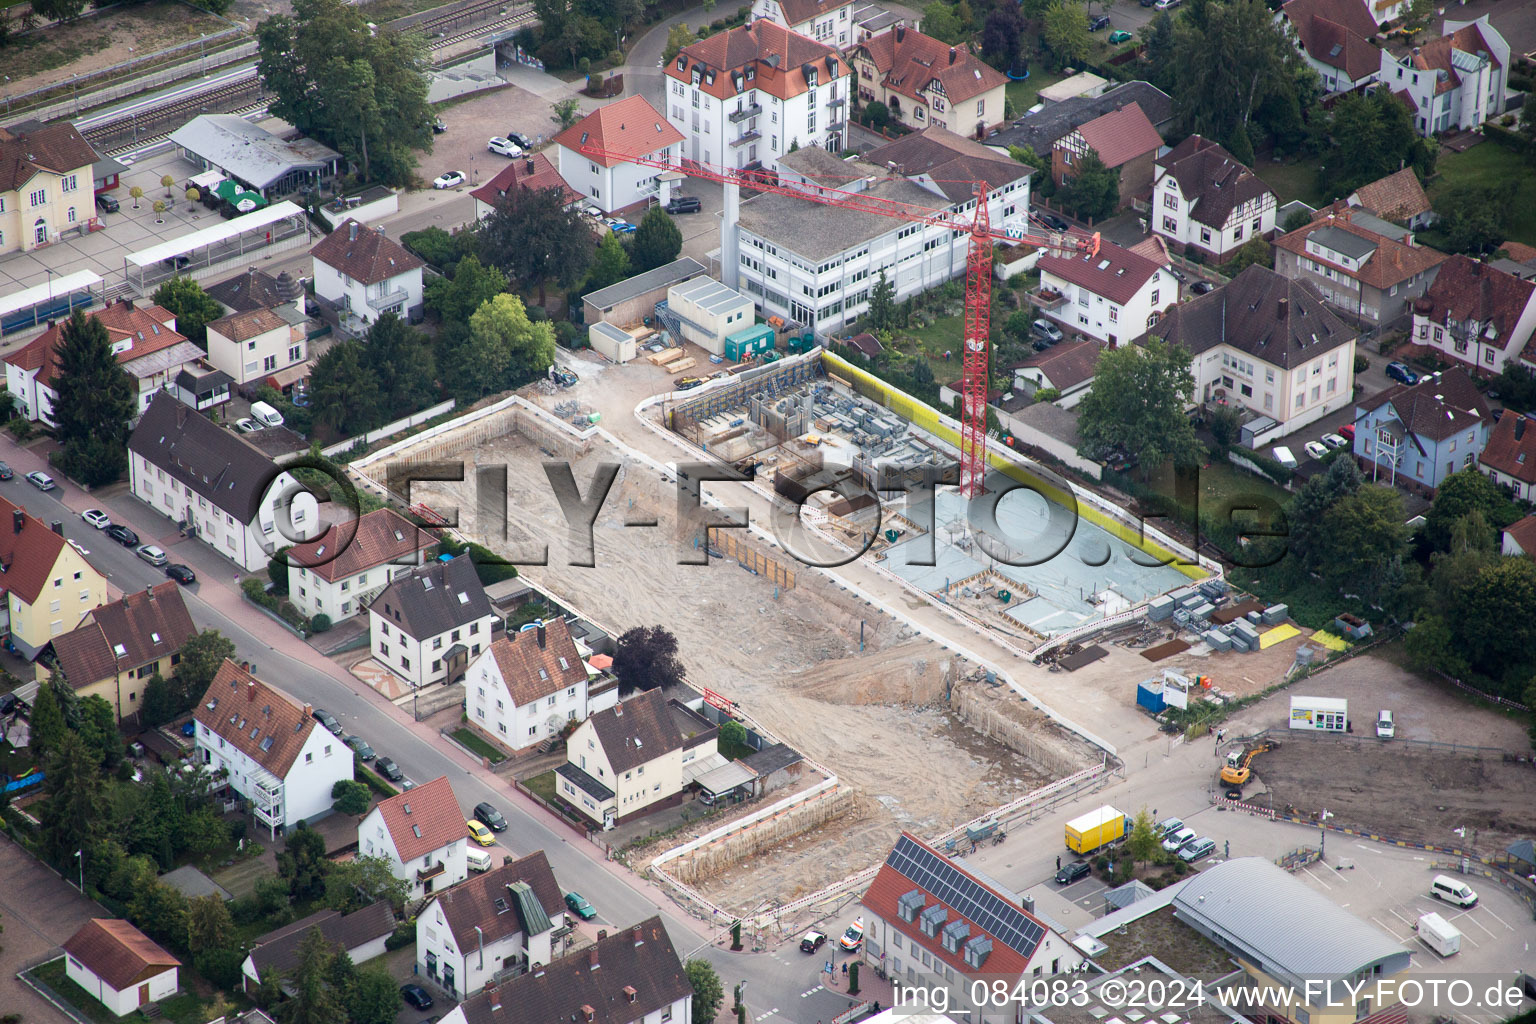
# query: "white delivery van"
{"type": "Point", "coordinates": [478, 860]}
{"type": "Point", "coordinates": [264, 414]}
{"type": "Point", "coordinates": [1281, 453]}
{"type": "Point", "coordinates": [1439, 935]}
{"type": "Point", "coordinates": [1446, 888]}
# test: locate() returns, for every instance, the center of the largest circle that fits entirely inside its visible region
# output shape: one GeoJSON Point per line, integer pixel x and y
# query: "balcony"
{"type": "Point", "coordinates": [751, 135]}
{"type": "Point", "coordinates": [1047, 299]}
{"type": "Point", "coordinates": [738, 116]}
{"type": "Point", "coordinates": [430, 871]}
{"type": "Point", "coordinates": [398, 297]}
{"type": "Point", "coordinates": [837, 101]}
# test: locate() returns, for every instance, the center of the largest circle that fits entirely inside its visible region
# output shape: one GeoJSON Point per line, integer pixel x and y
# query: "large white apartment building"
{"type": "Point", "coordinates": [817, 264]}
{"type": "Point", "coordinates": [826, 21]}
{"type": "Point", "coordinates": [746, 97]}
{"type": "Point", "coordinates": [1455, 82]}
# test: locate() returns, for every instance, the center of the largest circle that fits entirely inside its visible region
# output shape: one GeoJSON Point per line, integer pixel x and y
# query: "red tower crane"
{"type": "Point", "coordinates": [978, 278]}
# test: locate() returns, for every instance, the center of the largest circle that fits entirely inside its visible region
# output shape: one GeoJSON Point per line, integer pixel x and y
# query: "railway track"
{"type": "Point", "coordinates": [444, 22]}
{"type": "Point", "coordinates": [444, 42]}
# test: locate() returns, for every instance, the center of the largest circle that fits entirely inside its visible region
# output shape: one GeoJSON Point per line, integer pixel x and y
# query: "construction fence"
{"type": "Point", "coordinates": [726, 544]}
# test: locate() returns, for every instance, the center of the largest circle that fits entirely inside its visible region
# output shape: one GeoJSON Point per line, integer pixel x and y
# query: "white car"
{"type": "Point", "coordinates": [1178, 840]}
{"type": "Point", "coordinates": [448, 180]}
{"type": "Point", "coordinates": [593, 212]}
{"type": "Point", "coordinates": [1316, 449]}
{"type": "Point", "coordinates": [1385, 727]}
{"type": "Point", "coordinates": [1335, 441]}
{"type": "Point", "coordinates": [247, 425]}
{"type": "Point", "coordinates": [506, 147]}
{"type": "Point", "coordinates": [96, 517]}
{"type": "Point", "coordinates": [153, 554]}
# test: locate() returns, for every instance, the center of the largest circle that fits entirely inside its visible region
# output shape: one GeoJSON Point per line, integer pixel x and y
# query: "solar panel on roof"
{"type": "Point", "coordinates": [946, 883]}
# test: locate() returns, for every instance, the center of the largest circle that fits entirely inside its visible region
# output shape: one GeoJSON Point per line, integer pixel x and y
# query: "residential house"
{"type": "Point", "coordinates": [1398, 198]}
{"type": "Point", "coordinates": [421, 833]}
{"type": "Point", "coordinates": [143, 338]}
{"type": "Point", "coordinates": [817, 264]}
{"type": "Point", "coordinates": [48, 585]}
{"type": "Point", "coordinates": [495, 925]}
{"type": "Point", "coordinates": [1519, 538]}
{"type": "Point", "coordinates": [199, 386]}
{"type": "Point", "coordinates": [364, 274]}
{"type": "Point", "coordinates": [1362, 273]}
{"type": "Point", "coordinates": [1424, 433]}
{"type": "Point", "coordinates": [1509, 458]}
{"type": "Point", "coordinates": [1455, 82]}
{"type": "Point", "coordinates": [339, 572]}
{"type": "Point", "coordinates": [1266, 344]}
{"type": "Point", "coordinates": [1206, 201]}
{"type": "Point", "coordinates": [261, 345]}
{"type": "Point", "coordinates": [529, 685]}
{"type": "Point", "coordinates": [600, 154]}
{"type": "Point", "coordinates": [1067, 368]}
{"type": "Point", "coordinates": [630, 759]}
{"type": "Point", "coordinates": [1124, 140]}
{"type": "Point", "coordinates": [120, 646]}
{"type": "Point", "coordinates": [1041, 131]}
{"type": "Point", "coordinates": [268, 748]}
{"type": "Point", "coordinates": [212, 481]}
{"type": "Point", "coordinates": [631, 976]}
{"type": "Point", "coordinates": [256, 289]}
{"type": "Point", "coordinates": [925, 82]}
{"type": "Point", "coordinates": [746, 96]}
{"type": "Point", "coordinates": [45, 184]}
{"type": "Point", "coordinates": [428, 624]}
{"type": "Point", "coordinates": [826, 21]}
{"type": "Point", "coordinates": [526, 174]}
{"type": "Point", "coordinates": [943, 927]}
{"type": "Point", "coordinates": [1476, 316]}
{"type": "Point", "coordinates": [1334, 38]}
{"type": "Point", "coordinates": [1518, 259]}
{"type": "Point", "coordinates": [119, 966]}
{"type": "Point", "coordinates": [1112, 296]}
{"type": "Point", "coordinates": [360, 934]}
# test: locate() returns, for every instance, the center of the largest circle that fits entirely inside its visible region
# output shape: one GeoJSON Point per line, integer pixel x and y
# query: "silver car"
{"type": "Point", "coordinates": [153, 554]}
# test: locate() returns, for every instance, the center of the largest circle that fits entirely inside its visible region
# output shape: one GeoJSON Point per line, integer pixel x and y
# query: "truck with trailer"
{"type": "Point", "coordinates": [1439, 934]}
{"type": "Point", "coordinates": [1096, 829]}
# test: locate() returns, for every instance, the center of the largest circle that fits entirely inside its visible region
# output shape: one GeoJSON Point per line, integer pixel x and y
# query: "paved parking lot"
{"type": "Point", "coordinates": [39, 910]}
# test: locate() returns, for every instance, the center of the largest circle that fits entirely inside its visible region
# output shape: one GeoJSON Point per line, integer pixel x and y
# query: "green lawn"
{"type": "Point", "coordinates": [542, 785]}
{"type": "Point", "coordinates": [1022, 94]}
{"type": "Point", "coordinates": [466, 737]}
{"type": "Point", "coordinates": [1490, 164]}
{"type": "Point", "coordinates": [183, 1008]}
{"type": "Point", "coordinates": [1294, 180]}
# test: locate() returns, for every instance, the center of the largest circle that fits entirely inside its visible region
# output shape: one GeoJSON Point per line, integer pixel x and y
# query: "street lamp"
{"type": "Point", "coordinates": [79, 857]}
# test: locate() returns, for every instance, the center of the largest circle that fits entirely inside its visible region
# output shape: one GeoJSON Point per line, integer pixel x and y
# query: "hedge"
{"type": "Point", "coordinates": [372, 780]}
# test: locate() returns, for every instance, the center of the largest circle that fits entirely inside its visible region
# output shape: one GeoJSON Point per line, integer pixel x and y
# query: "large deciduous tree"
{"type": "Point", "coordinates": [1372, 136]}
{"type": "Point", "coordinates": [609, 266]}
{"type": "Point", "coordinates": [472, 285]}
{"type": "Point", "coordinates": [194, 308]}
{"type": "Point", "coordinates": [401, 361]}
{"type": "Point", "coordinates": [1229, 56]}
{"type": "Point", "coordinates": [344, 391]}
{"type": "Point", "coordinates": [523, 348]}
{"type": "Point", "coordinates": [534, 238]}
{"type": "Point", "coordinates": [1475, 218]}
{"type": "Point", "coordinates": [708, 992]}
{"type": "Point", "coordinates": [96, 400]}
{"type": "Point", "coordinates": [1138, 402]}
{"type": "Point", "coordinates": [1065, 31]}
{"type": "Point", "coordinates": [645, 657]}
{"type": "Point", "coordinates": [201, 657]}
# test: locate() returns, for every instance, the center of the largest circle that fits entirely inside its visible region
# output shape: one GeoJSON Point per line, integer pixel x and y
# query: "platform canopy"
{"type": "Point", "coordinates": [220, 232]}
{"type": "Point", "coordinates": [39, 294]}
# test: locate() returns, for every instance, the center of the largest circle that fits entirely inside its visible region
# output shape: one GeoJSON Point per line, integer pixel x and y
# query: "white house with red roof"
{"type": "Point", "coordinates": [120, 966]}
{"type": "Point", "coordinates": [339, 572]}
{"type": "Point", "coordinates": [528, 173]}
{"type": "Point", "coordinates": [1113, 296]}
{"type": "Point", "coordinates": [1475, 315]}
{"type": "Point", "coordinates": [1509, 457]}
{"type": "Point", "coordinates": [619, 134]}
{"type": "Point", "coordinates": [144, 338]}
{"type": "Point", "coordinates": [1455, 82]}
{"type": "Point", "coordinates": [747, 96]}
{"type": "Point", "coordinates": [528, 685]}
{"type": "Point", "coordinates": [1334, 38]}
{"type": "Point", "coordinates": [826, 21]}
{"type": "Point", "coordinates": [926, 82]}
{"type": "Point", "coordinates": [1125, 141]}
{"type": "Point", "coordinates": [421, 834]}
{"type": "Point", "coordinates": [937, 925]}
{"type": "Point", "coordinates": [364, 273]}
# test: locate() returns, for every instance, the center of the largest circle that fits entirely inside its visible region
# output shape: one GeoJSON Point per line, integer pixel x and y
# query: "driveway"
{"type": "Point", "coordinates": [39, 910]}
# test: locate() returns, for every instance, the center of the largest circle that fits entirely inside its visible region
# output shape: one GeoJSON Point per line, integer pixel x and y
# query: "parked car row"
{"type": "Point", "coordinates": [1181, 840]}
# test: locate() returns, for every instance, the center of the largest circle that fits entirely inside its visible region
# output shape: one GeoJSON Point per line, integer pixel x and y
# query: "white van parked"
{"type": "Point", "coordinates": [477, 860]}
{"type": "Point", "coordinates": [1446, 888]}
{"type": "Point", "coordinates": [1439, 934]}
{"type": "Point", "coordinates": [1281, 453]}
{"type": "Point", "coordinates": [264, 414]}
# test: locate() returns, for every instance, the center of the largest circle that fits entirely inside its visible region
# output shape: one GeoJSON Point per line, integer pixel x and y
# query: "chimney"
{"type": "Point", "coordinates": [528, 167]}
{"type": "Point", "coordinates": [602, 933]}
{"type": "Point", "coordinates": [1520, 428]}
{"type": "Point", "coordinates": [638, 934]}
{"type": "Point", "coordinates": [901, 31]}
{"type": "Point", "coordinates": [951, 54]}
{"type": "Point", "coordinates": [1282, 308]}
{"type": "Point", "coordinates": [250, 690]}
{"type": "Point", "coordinates": [493, 996]}
{"type": "Point", "coordinates": [149, 591]}
{"type": "Point", "coordinates": [18, 520]}
{"type": "Point", "coordinates": [592, 963]}
{"type": "Point", "coordinates": [351, 230]}
{"type": "Point", "coordinates": [308, 710]}
{"type": "Point", "coordinates": [57, 527]}
{"type": "Point", "coordinates": [618, 710]}
{"type": "Point", "coordinates": [541, 634]}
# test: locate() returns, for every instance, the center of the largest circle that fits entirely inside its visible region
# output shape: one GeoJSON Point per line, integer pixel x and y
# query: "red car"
{"type": "Point", "coordinates": [1348, 430]}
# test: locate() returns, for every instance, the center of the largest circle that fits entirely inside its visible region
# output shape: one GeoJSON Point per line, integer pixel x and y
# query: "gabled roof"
{"type": "Point", "coordinates": [256, 718]}
{"type": "Point", "coordinates": [133, 331]}
{"type": "Point", "coordinates": [27, 555]}
{"type": "Point", "coordinates": [536, 663]}
{"type": "Point", "coordinates": [378, 538]}
{"type": "Point", "coordinates": [1115, 273]}
{"type": "Point", "coordinates": [1439, 54]}
{"type": "Point", "coordinates": [952, 161]}
{"type": "Point", "coordinates": [212, 460]}
{"type": "Point", "coordinates": [1336, 33]}
{"type": "Point", "coordinates": [1260, 312]}
{"type": "Point", "coordinates": [1066, 365]}
{"type": "Point", "coordinates": [1398, 196]}
{"type": "Point", "coordinates": [1523, 533]}
{"type": "Point", "coordinates": [621, 130]}
{"type": "Point", "coordinates": [140, 627]}
{"type": "Point", "coordinates": [1210, 178]}
{"type": "Point", "coordinates": [1511, 450]}
{"type": "Point", "coordinates": [423, 819]}
{"type": "Point", "coordinates": [255, 289]}
{"type": "Point", "coordinates": [118, 953]}
{"type": "Point", "coordinates": [515, 175]}
{"type": "Point", "coordinates": [637, 730]}
{"type": "Point", "coordinates": [433, 598]}
{"type": "Point", "coordinates": [763, 55]}
{"type": "Point", "coordinates": [1043, 130]}
{"type": "Point", "coordinates": [1466, 290]}
{"type": "Point", "coordinates": [248, 324]}
{"type": "Point", "coordinates": [628, 976]}
{"type": "Point", "coordinates": [1440, 405]}
{"type": "Point", "coordinates": [364, 254]}
{"type": "Point", "coordinates": [909, 62]}
{"type": "Point", "coordinates": [1387, 261]}
{"type": "Point", "coordinates": [489, 901]}
{"type": "Point", "coordinates": [278, 950]}
{"type": "Point", "coordinates": [1121, 135]}
{"type": "Point", "coordinates": [798, 12]}
{"type": "Point", "coordinates": [57, 147]}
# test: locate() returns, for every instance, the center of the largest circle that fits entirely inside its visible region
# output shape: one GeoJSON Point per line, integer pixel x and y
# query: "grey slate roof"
{"type": "Point", "coordinates": [1276, 921]}
{"type": "Point", "coordinates": [434, 598]}
{"type": "Point", "coordinates": [215, 462]}
{"type": "Point", "coordinates": [244, 151]}
{"type": "Point", "coordinates": [816, 231]}
{"type": "Point", "coordinates": [637, 730]}
{"type": "Point", "coordinates": [1343, 241]}
{"type": "Point", "coordinates": [518, 897]}
{"type": "Point", "coordinates": [661, 277]}
{"type": "Point", "coordinates": [1055, 122]}
{"type": "Point", "coordinates": [584, 782]}
{"type": "Point", "coordinates": [202, 383]}
{"type": "Point", "coordinates": [278, 950]}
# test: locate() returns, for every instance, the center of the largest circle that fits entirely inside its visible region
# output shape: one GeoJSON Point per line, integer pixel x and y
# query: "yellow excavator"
{"type": "Point", "coordinates": [1239, 767]}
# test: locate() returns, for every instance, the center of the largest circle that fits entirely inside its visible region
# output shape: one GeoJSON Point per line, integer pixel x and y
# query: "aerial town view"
{"type": "Point", "coordinates": [768, 512]}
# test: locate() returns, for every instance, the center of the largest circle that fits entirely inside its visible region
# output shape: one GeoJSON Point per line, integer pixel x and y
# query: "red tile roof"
{"type": "Point", "coordinates": [1391, 263]}
{"type": "Point", "coordinates": [798, 12]}
{"type": "Point", "coordinates": [530, 664]}
{"type": "Point", "coordinates": [423, 819]}
{"type": "Point", "coordinates": [1467, 290]}
{"type": "Point", "coordinates": [621, 131]}
{"type": "Point", "coordinates": [1523, 533]}
{"type": "Point", "coordinates": [118, 953]}
{"type": "Point", "coordinates": [140, 330]}
{"type": "Point", "coordinates": [517, 175]}
{"type": "Point", "coordinates": [1066, 365]}
{"type": "Point", "coordinates": [364, 254]}
{"type": "Point", "coordinates": [1337, 33]}
{"type": "Point", "coordinates": [1121, 135]}
{"type": "Point", "coordinates": [1511, 450]}
{"type": "Point", "coordinates": [248, 324]}
{"type": "Point", "coordinates": [146, 625]}
{"type": "Point", "coordinates": [27, 555]}
{"type": "Point", "coordinates": [1398, 196]}
{"type": "Point", "coordinates": [57, 147]}
{"type": "Point", "coordinates": [1437, 406]}
{"type": "Point", "coordinates": [381, 537]}
{"type": "Point", "coordinates": [909, 62]}
{"type": "Point", "coordinates": [1435, 55]}
{"type": "Point", "coordinates": [256, 718]}
{"type": "Point", "coordinates": [762, 55]}
{"type": "Point", "coordinates": [1115, 273]}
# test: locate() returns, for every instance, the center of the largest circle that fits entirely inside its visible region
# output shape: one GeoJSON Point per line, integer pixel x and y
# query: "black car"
{"type": "Point", "coordinates": [327, 719]}
{"type": "Point", "coordinates": [522, 141]}
{"type": "Point", "coordinates": [359, 747]}
{"type": "Point", "coordinates": [106, 203]}
{"type": "Point", "coordinates": [416, 996]}
{"type": "Point", "coordinates": [1052, 221]}
{"type": "Point", "coordinates": [812, 941]}
{"type": "Point", "coordinates": [1201, 287]}
{"type": "Point", "coordinates": [490, 817]}
{"type": "Point", "coordinates": [8, 702]}
{"type": "Point", "coordinates": [684, 204]}
{"type": "Point", "coordinates": [1097, 23]}
{"type": "Point", "coordinates": [181, 574]}
{"type": "Point", "coordinates": [1070, 873]}
{"type": "Point", "coordinates": [386, 767]}
{"type": "Point", "coordinates": [124, 536]}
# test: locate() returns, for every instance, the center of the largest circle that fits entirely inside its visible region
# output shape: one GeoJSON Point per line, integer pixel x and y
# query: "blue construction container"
{"type": "Point", "coordinates": [1149, 698]}
{"type": "Point", "coordinates": [748, 342]}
